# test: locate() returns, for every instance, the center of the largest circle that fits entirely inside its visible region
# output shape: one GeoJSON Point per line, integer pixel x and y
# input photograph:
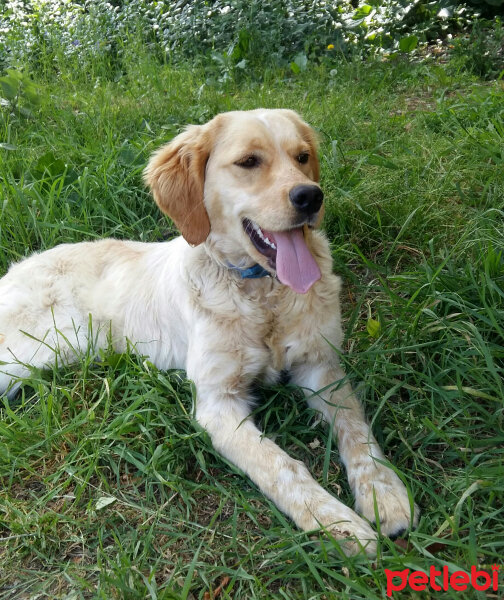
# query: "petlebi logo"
{"type": "Point", "coordinates": [442, 579]}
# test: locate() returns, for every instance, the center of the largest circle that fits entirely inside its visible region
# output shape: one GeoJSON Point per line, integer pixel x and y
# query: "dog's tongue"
{"type": "Point", "coordinates": [295, 265]}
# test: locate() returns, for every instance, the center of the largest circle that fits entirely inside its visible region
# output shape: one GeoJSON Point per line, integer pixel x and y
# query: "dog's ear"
{"type": "Point", "coordinates": [176, 176]}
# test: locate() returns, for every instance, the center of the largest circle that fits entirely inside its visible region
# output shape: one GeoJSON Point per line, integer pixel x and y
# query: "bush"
{"type": "Point", "coordinates": [241, 30]}
{"type": "Point", "coordinates": [481, 50]}
{"type": "Point", "coordinates": [49, 34]}
{"type": "Point", "coordinates": [488, 8]}
{"type": "Point", "coordinates": [93, 37]}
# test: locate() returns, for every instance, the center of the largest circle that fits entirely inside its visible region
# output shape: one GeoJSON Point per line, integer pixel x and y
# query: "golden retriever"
{"type": "Point", "coordinates": [246, 293]}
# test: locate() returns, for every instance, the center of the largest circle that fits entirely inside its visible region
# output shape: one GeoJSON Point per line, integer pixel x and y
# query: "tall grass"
{"type": "Point", "coordinates": [110, 491]}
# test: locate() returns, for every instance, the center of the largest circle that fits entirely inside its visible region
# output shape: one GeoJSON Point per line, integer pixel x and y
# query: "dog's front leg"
{"type": "Point", "coordinates": [370, 479]}
{"type": "Point", "coordinates": [286, 481]}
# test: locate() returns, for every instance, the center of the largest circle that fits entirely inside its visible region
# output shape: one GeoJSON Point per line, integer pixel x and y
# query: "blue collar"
{"type": "Point", "coordinates": [254, 272]}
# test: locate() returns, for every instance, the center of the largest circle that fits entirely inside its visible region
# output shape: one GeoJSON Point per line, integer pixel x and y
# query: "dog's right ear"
{"type": "Point", "coordinates": [176, 176]}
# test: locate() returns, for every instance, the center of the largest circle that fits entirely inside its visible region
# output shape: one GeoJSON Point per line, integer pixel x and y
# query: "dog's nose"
{"type": "Point", "coordinates": [306, 198]}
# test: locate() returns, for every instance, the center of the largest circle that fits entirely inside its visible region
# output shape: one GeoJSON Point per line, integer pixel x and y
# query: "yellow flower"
{"type": "Point", "coordinates": [330, 47]}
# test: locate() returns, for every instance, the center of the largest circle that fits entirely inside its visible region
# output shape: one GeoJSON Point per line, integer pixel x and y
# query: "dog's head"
{"type": "Point", "coordinates": [248, 182]}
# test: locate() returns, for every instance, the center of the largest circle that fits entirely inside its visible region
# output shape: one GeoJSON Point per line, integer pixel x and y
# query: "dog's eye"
{"type": "Point", "coordinates": [249, 162]}
{"type": "Point", "coordinates": [303, 158]}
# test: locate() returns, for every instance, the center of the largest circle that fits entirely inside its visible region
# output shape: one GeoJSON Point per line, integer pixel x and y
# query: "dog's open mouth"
{"type": "Point", "coordinates": [287, 253]}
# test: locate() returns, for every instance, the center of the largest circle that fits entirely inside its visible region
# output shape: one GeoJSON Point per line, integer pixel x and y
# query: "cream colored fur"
{"type": "Point", "coordinates": [183, 306]}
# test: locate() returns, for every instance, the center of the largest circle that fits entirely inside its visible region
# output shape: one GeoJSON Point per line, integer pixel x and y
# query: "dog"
{"type": "Point", "coordinates": [245, 294]}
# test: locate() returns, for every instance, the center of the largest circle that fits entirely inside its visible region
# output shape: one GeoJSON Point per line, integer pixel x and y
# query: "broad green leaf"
{"type": "Point", "coordinates": [15, 74]}
{"type": "Point", "coordinates": [49, 163]}
{"type": "Point", "coordinates": [362, 11]}
{"type": "Point", "coordinates": [301, 60]}
{"type": "Point", "coordinates": [10, 87]}
{"type": "Point", "coordinates": [373, 328]}
{"type": "Point", "coordinates": [26, 112]}
{"type": "Point", "coordinates": [408, 43]}
{"type": "Point", "coordinates": [31, 93]}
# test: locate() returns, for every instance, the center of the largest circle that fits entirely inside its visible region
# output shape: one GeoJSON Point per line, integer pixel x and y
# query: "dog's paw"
{"type": "Point", "coordinates": [380, 484]}
{"type": "Point", "coordinates": [354, 537]}
{"type": "Point", "coordinates": [339, 521]}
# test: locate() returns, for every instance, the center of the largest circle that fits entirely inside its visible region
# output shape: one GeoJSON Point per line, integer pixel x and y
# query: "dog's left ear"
{"type": "Point", "coordinates": [176, 176]}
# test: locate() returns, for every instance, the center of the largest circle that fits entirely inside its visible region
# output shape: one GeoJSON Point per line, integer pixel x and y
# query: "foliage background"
{"type": "Point", "coordinates": [236, 32]}
{"type": "Point", "coordinates": [108, 490]}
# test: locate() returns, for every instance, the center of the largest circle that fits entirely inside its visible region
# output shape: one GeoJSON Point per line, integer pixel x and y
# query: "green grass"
{"type": "Point", "coordinates": [412, 162]}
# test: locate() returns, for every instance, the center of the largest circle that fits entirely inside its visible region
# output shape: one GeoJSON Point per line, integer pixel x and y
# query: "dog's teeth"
{"type": "Point", "coordinates": [260, 233]}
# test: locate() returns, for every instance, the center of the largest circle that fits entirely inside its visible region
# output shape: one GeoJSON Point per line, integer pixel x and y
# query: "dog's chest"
{"type": "Point", "coordinates": [261, 326]}
{"type": "Point", "coordinates": [287, 332]}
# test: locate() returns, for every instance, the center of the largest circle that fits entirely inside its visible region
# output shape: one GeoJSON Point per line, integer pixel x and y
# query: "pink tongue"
{"type": "Point", "coordinates": [295, 264]}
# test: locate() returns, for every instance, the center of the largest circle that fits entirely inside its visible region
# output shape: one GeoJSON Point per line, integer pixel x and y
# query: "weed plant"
{"type": "Point", "coordinates": [109, 490]}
